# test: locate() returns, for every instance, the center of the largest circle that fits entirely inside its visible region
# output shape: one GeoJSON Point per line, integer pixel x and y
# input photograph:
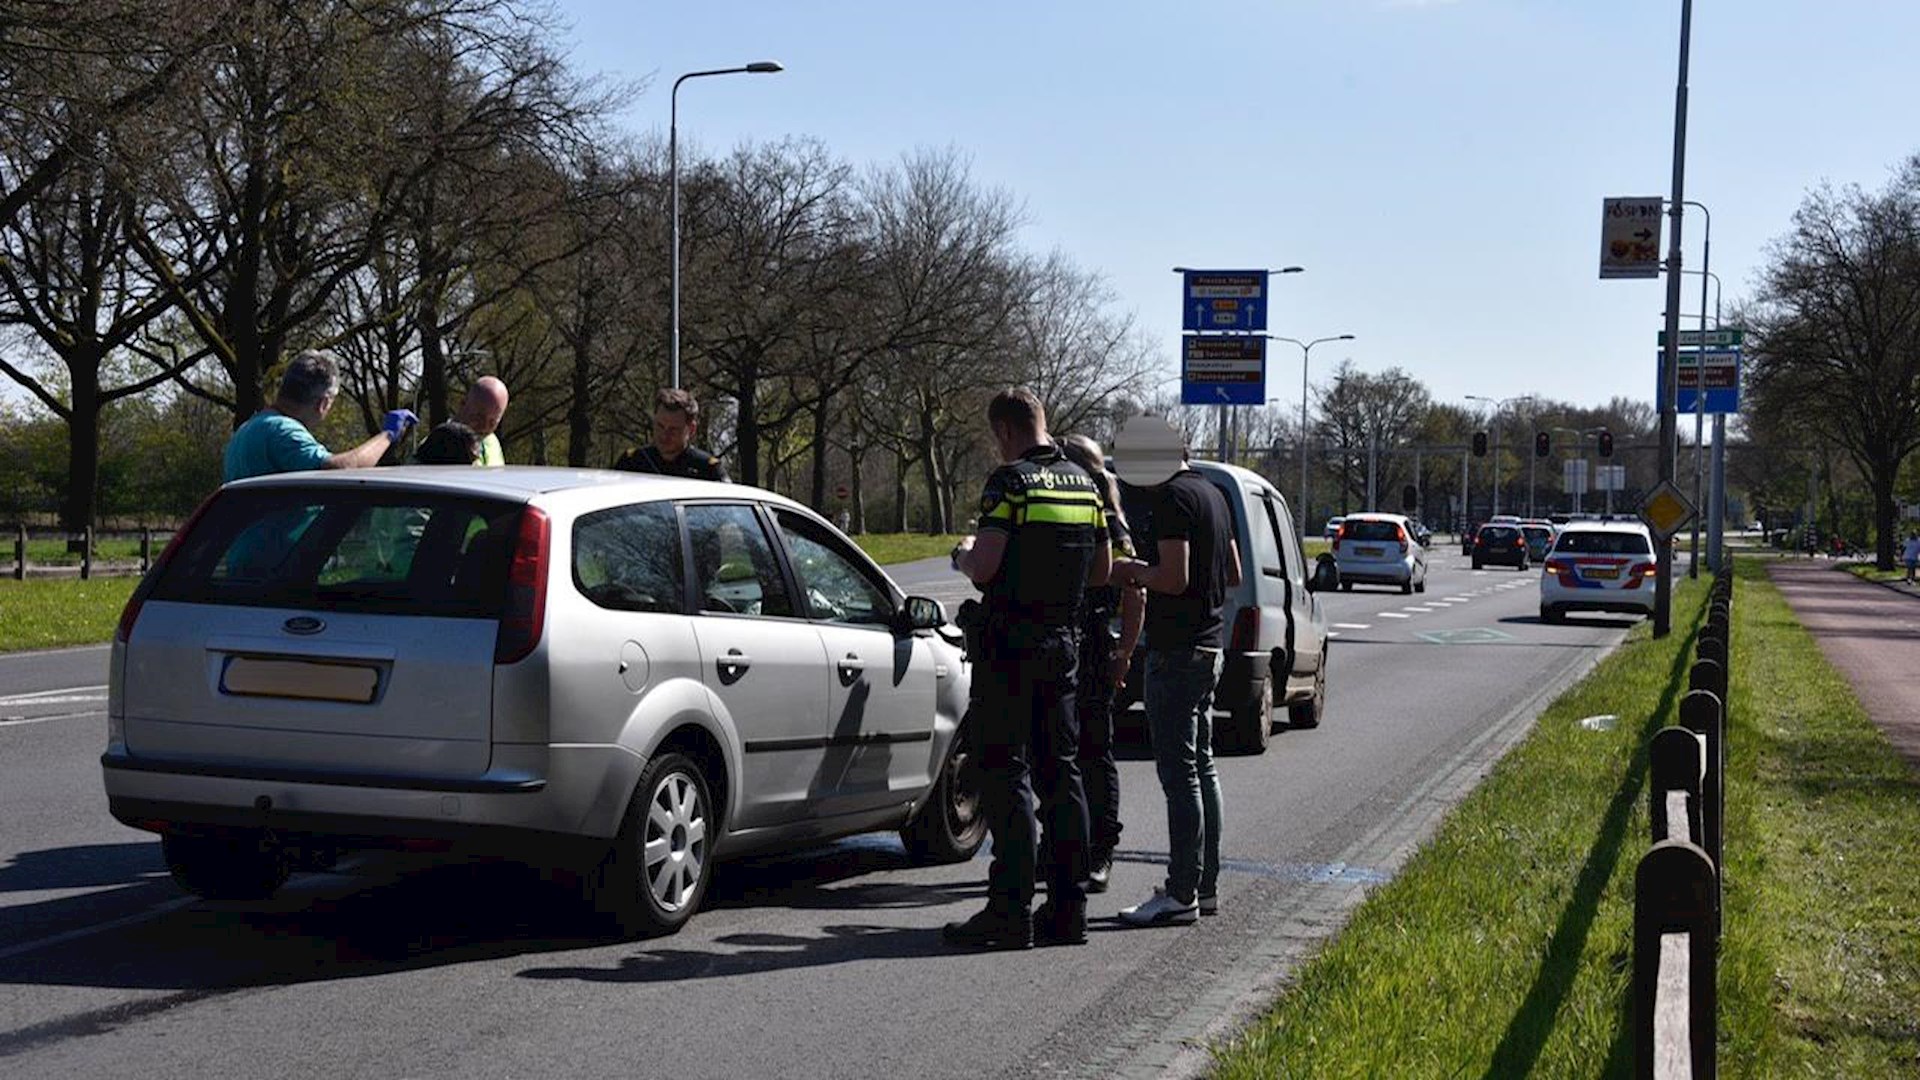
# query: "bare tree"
{"type": "Point", "coordinates": [1838, 332]}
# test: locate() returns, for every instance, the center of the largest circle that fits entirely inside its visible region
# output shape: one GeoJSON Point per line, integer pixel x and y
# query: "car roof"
{"type": "Point", "coordinates": [1376, 515]}
{"type": "Point", "coordinates": [519, 483]}
{"type": "Point", "coordinates": [1605, 526]}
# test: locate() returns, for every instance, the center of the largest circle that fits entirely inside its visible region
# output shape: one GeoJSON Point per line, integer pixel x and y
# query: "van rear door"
{"type": "Point", "coordinates": [328, 629]}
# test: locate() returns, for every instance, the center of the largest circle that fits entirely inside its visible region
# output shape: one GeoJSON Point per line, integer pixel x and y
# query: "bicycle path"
{"type": "Point", "coordinates": [1870, 633]}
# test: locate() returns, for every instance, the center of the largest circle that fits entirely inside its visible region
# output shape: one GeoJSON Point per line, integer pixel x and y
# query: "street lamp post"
{"type": "Point", "coordinates": [1498, 404]}
{"type": "Point", "coordinates": [1306, 354]}
{"type": "Point", "coordinates": [1700, 385]}
{"type": "Point", "coordinates": [758, 67]}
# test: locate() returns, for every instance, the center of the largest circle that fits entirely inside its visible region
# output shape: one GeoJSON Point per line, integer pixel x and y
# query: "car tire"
{"type": "Point", "coordinates": [1346, 586]}
{"type": "Point", "coordinates": [1406, 589]}
{"type": "Point", "coordinates": [1476, 564]}
{"type": "Point", "coordinates": [1249, 726]}
{"type": "Point", "coordinates": [1551, 613]}
{"type": "Point", "coordinates": [233, 866]}
{"type": "Point", "coordinates": [1422, 587]}
{"type": "Point", "coordinates": [952, 825]}
{"type": "Point", "coordinates": [1306, 714]}
{"type": "Point", "coordinates": [671, 803]}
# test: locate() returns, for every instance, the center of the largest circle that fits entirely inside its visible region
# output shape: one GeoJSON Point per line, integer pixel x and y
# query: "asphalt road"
{"type": "Point", "coordinates": [821, 963]}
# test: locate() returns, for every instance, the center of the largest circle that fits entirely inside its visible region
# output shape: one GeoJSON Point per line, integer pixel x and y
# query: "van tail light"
{"type": "Point", "coordinates": [1246, 629]}
{"type": "Point", "coordinates": [525, 613]}
{"type": "Point", "coordinates": [131, 613]}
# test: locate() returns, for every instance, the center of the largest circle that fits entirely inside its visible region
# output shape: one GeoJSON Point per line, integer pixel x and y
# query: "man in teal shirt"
{"type": "Point", "coordinates": [280, 439]}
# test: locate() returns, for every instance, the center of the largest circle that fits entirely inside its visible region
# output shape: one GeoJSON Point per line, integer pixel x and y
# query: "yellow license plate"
{"type": "Point", "coordinates": [1369, 553]}
{"type": "Point", "coordinates": [1604, 573]}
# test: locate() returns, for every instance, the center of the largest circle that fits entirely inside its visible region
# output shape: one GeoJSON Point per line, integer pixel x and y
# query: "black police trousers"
{"type": "Point", "coordinates": [1099, 774]}
{"type": "Point", "coordinates": [1029, 741]}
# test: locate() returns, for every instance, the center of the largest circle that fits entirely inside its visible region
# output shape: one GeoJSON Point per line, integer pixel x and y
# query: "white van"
{"type": "Point", "coordinates": [1276, 646]}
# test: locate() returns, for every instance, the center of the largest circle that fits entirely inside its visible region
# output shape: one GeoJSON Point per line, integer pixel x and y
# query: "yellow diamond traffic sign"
{"type": "Point", "coordinates": [1666, 510]}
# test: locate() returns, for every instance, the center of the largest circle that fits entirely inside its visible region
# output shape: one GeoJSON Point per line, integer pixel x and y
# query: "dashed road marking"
{"type": "Point", "coordinates": [1353, 625]}
{"type": "Point", "coordinates": [1394, 615]}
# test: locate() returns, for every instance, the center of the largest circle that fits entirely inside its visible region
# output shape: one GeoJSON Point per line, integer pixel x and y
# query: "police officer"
{"type": "Point", "coordinates": [1041, 542]}
{"type": "Point", "coordinates": [676, 417]}
{"type": "Point", "coordinates": [1104, 663]}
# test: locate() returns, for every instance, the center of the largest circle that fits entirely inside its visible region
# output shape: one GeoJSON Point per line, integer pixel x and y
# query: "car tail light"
{"type": "Point", "coordinates": [1246, 629]}
{"type": "Point", "coordinates": [526, 607]}
{"type": "Point", "coordinates": [1400, 534]}
{"type": "Point", "coordinates": [1340, 534]}
{"type": "Point", "coordinates": [1557, 566]}
{"type": "Point", "coordinates": [131, 613]}
{"type": "Point", "coordinates": [1520, 543]}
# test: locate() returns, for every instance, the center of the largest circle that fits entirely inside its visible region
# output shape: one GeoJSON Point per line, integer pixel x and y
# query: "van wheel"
{"type": "Point", "coordinates": [951, 826]}
{"type": "Point", "coordinates": [1250, 726]}
{"type": "Point", "coordinates": [234, 866]}
{"type": "Point", "coordinates": [1306, 714]}
{"type": "Point", "coordinates": [657, 874]}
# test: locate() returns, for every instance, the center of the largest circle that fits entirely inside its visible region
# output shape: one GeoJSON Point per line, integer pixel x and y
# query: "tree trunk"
{"type": "Point", "coordinates": [1886, 516]}
{"type": "Point", "coordinates": [819, 480]}
{"type": "Point", "coordinates": [748, 442]}
{"type": "Point", "coordinates": [901, 464]}
{"type": "Point", "coordinates": [856, 467]}
{"type": "Point", "coordinates": [83, 443]}
{"type": "Point", "coordinates": [580, 403]}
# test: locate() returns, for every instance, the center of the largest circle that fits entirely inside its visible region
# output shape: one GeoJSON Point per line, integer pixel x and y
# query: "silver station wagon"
{"type": "Point", "coordinates": [629, 676]}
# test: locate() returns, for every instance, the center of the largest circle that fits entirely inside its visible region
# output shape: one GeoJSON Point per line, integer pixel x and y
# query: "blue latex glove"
{"type": "Point", "coordinates": [397, 423]}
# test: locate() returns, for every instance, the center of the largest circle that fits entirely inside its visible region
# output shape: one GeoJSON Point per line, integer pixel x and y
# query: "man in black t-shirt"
{"type": "Point", "coordinates": [1198, 561]}
{"type": "Point", "coordinates": [676, 417]}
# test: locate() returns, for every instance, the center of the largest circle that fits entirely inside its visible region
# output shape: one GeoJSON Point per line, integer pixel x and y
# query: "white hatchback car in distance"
{"type": "Point", "coordinates": [1379, 549]}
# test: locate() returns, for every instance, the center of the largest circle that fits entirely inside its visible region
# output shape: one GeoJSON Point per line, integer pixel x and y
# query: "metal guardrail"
{"type": "Point", "coordinates": [1676, 887]}
{"type": "Point", "coordinates": [84, 543]}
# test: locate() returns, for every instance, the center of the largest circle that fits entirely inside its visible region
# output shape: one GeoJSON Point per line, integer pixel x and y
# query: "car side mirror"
{"type": "Point", "coordinates": [1326, 575]}
{"type": "Point", "coordinates": [921, 613]}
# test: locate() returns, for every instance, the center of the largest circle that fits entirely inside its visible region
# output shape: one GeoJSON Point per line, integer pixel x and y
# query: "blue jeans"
{"type": "Point", "coordinates": [1179, 699]}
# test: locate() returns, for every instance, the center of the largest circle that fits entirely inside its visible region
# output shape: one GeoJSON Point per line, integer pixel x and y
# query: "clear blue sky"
{"type": "Point", "coordinates": [1437, 165]}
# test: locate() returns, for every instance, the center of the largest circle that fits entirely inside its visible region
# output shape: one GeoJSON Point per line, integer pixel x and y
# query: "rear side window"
{"type": "Point", "coordinates": [349, 550]}
{"type": "Point", "coordinates": [1372, 530]}
{"type": "Point", "coordinates": [1499, 533]}
{"type": "Point", "coordinates": [1602, 543]}
{"type": "Point", "coordinates": [628, 558]}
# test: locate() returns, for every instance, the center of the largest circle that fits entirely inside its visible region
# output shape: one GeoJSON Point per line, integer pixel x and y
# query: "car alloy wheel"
{"type": "Point", "coordinates": [674, 848]}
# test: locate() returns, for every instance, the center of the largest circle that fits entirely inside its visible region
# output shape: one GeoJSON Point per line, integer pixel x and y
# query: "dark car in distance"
{"type": "Point", "coordinates": [1503, 545]}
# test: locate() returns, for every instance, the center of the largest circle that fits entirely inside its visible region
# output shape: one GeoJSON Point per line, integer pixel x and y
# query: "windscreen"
{"type": "Point", "coordinates": [1372, 530]}
{"type": "Point", "coordinates": [1601, 543]}
{"type": "Point", "coordinates": [1535, 532]}
{"type": "Point", "coordinates": [388, 552]}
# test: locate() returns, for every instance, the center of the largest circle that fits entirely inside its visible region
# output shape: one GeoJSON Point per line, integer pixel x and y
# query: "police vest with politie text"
{"type": "Point", "coordinates": [1053, 517]}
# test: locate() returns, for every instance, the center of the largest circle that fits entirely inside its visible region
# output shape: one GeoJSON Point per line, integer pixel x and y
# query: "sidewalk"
{"type": "Point", "coordinates": [1870, 632]}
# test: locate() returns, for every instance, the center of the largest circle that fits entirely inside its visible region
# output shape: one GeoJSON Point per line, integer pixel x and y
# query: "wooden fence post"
{"type": "Point", "coordinates": [1678, 757]}
{"type": "Point", "coordinates": [20, 554]}
{"type": "Point", "coordinates": [1675, 1000]}
{"type": "Point", "coordinates": [1701, 712]}
{"type": "Point", "coordinates": [86, 553]}
{"type": "Point", "coordinates": [146, 550]}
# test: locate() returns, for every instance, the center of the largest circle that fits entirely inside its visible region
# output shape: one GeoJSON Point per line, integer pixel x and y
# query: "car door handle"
{"type": "Point", "coordinates": [733, 665]}
{"type": "Point", "coordinates": [851, 667]}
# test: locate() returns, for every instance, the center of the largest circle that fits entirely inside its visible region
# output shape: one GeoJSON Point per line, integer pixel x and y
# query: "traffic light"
{"type": "Point", "coordinates": [1479, 444]}
{"type": "Point", "coordinates": [1606, 444]}
{"type": "Point", "coordinates": [1542, 444]}
{"type": "Point", "coordinates": [1409, 499]}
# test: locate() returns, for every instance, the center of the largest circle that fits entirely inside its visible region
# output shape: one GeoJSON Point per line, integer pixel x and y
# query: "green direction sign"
{"type": "Point", "coordinates": [1713, 339]}
{"type": "Point", "coordinates": [1472, 635]}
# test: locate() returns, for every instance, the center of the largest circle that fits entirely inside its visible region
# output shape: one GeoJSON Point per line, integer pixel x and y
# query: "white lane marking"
{"type": "Point", "coordinates": [57, 697]}
{"type": "Point", "coordinates": [100, 928]}
{"type": "Point", "coordinates": [1459, 599]}
{"type": "Point", "coordinates": [1394, 615]}
{"type": "Point", "coordinates": [1354, 625]}
{"type": "Point", "coordinates": [23, 721]}
{"type": "Point", "coordinates": [1333, 633]}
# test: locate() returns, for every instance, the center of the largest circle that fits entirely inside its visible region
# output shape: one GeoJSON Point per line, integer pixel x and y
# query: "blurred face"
{"type": "Point", "coordinates": [672, 432]}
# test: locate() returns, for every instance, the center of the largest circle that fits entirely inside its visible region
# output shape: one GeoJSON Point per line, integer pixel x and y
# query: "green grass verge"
{"type": "Point", "coordinates": [1504, 947]}
{"type": "Point", "coordinates": [1866, 571]}
{"type": "Point", "coordinates": [885, 548]}
{"type": "Point", "coordinates": [49, 612]}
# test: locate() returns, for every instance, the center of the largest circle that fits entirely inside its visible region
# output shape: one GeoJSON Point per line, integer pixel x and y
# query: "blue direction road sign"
{"type": "Point", "coordinates": [1717, 372]}
{"type": "Point", "coordinates": [1231, 300]}
{"type": "Point", "coordinates": [1223, 370]}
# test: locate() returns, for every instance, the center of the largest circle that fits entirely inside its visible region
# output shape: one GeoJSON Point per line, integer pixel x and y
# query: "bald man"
{"type": "Point", "coordinates": [481, 410]}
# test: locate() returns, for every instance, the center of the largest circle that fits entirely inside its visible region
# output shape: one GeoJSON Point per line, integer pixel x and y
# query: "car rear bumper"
{"type": "Point", "coordinates": [1241, 674]}
{"type": "Point", "coordinates": [1377, 573]}
{"type": "Point", "coordinates": [1642, 606]}
{"type": "Point", "coordinates": [574, 791]}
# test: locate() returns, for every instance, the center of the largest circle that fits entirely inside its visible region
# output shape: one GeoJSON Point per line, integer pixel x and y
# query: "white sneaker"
{"type": "Point", "coordinates": [1161, 909]}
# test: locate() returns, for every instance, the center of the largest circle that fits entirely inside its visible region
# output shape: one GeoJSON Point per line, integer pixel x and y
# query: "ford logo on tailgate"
{"type": "Point", "coordinates": [303, 624]}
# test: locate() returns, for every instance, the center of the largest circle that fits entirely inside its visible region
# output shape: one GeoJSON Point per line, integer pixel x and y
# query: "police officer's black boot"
{"type": "Point", "coordinates": [1065, 924]}
{"type": "Point", "coordinates": [992, 928]}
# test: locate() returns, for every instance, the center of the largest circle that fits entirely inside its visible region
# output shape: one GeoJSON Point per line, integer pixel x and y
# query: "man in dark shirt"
{"type": "Point", "coordinates": [1186, 585]}
{"type": "Point", "coordinates": [676, 417]}
{"type": "Point", "coordinates": [1042, 541]}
